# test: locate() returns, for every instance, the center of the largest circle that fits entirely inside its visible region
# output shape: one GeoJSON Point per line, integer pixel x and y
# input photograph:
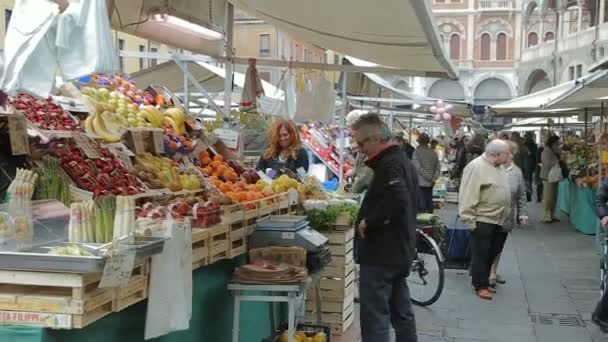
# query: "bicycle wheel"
{"type": "Point", "coordinates": [426, 274]}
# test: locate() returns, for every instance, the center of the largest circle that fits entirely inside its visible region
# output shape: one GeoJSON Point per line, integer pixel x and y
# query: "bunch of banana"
{"type": "Point", "coordinates": [152, 115]}
{"type": "Point", "coordinates": [176, 119]}
{"type": "Point", "coordinates": [109, 126]}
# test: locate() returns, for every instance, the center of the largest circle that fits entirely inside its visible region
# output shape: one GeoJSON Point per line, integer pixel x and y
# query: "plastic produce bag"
{"type": "Point", "coordinates": [305, 101]}
{"type": "Point", "coordinates": [325, 101]}
{"type": "Point", "coordinates": [170, 293]}
{"type": "Point", "coordinates": [29, 48]}
{"type": "Point", "coordinates": [84, 40]}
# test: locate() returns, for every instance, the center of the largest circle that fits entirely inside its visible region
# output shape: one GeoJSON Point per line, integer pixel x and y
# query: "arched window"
{"type": "Point", "coordinates": [485, 47]}
{"type": "Point", "coordinates": [532, 39]}
{"type": "Point", "coordinates": [549, 36]}
{"type": "Point", "coordinates": [455, 47]}
{"type": "Point", "coordinates": [501, 47]}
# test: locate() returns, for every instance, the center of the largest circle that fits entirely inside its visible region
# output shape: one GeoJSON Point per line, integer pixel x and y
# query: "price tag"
{"type": "Point", "coordinates": [17, 131]}
{"type": "Point", "coordinates": [229, 137]}
{"type": "Point", "coordinates": [288, 236]}
{"type": "Point", "coordinates": [157, 139]}
{"type": "Point", "coordinates": [118, 268]}
{"type": "Point", "coordinates": [122, 153]}
{"type": "Point", "coordinates": [84, 143]}
{"type": "Point", "coordinates": [138, 142]}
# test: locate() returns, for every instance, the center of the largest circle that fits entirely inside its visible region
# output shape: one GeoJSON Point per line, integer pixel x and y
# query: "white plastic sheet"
{"type": "Point", "coordinates": [84, 40]}
{"type": "Point", "coordinates": [325, 101]}
{"type": "Point", "coordinates": [40, 39]}
{"type": "Point", "coordinates": [170, 293]}
{"type": "Point", "coordinates": [305, 101]}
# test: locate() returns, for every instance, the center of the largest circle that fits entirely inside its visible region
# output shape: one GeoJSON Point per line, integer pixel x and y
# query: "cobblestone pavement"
{"type": "Point", "coordinates": [552, 274]}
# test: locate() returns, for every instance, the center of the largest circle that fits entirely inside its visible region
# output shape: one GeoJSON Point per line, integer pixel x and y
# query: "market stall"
{"type": "Point", "coordinates": [127, 164]}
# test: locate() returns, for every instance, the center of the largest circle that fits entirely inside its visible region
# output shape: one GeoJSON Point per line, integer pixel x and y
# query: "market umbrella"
{"type": "Point", "coordinates": [252, 88]}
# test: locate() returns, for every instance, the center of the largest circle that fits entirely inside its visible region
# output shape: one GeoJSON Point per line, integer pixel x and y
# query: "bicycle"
{"type": "Point", "coordinates": [427, 276]}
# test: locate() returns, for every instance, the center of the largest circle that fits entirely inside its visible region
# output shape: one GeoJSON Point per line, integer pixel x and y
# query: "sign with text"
{"type": "Point", "coordinates": [17, 131]}
{"type": "Point", "coordinates": [85, 144]}
{"type": "Point", "coordinates": [118, 268]}
{"type": "Point", "coordinates": [229, 137]}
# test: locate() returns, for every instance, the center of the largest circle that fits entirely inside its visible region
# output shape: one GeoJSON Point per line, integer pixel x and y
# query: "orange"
{"type": "Point", "coordinates": [225, 187]}
{"type": "Point", "coordinates": [215, 164]}
{"type": "Point", "coordinates": [206, 160]}
{"type": "Point", "coordinates": [218, 157]}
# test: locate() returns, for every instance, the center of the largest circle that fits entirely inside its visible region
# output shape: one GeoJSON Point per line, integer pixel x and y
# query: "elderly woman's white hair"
{"type": "Point", "coordinates": [354, 116]}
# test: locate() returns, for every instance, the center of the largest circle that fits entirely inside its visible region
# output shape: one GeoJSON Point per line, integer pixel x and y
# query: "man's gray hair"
{"type": "Point", "coordinates": [497, 147]}
{"type": "Point", "coordinates": [373, 126]}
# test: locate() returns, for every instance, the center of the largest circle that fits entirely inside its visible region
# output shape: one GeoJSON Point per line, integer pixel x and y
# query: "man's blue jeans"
{"type": "Point", "coordinates": [385, 299]}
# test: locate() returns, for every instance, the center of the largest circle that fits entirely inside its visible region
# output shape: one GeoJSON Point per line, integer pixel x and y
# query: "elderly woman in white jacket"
{"type": "Point", "coordinates": [518, 209]}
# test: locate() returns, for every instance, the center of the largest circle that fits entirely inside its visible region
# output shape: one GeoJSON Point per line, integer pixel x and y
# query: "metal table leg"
{"type": "Point", "coordinates": [291, 303]}
{"type": "Point", "coordinates": [236, 317]}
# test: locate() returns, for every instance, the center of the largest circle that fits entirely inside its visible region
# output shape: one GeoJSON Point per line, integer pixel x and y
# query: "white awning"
{"type": "Point", "coordinates": [532, 104]}
{"type": "Point", "coordinates": [394, 33]}
{"type": "Point", "coordinates": [588, 92]}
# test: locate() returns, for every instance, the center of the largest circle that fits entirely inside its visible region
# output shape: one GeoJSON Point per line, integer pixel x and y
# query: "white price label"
{"type": "Point", "coordinates": [85, 144]}
{"type": "Point", "coordinates": [229, 137]}
{"type": "Point", "coordinates": [118, 268]}
{"type": "Point", "coordinates": [17, 131]}
{"type": "Point", "coordinates": [157, 138]}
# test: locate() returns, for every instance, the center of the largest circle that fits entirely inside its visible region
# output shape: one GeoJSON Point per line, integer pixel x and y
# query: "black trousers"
{"type": "Point", "coordinates": [601, 310]}
{"type": "Point", "coordinates": [484, 248]}
{"type": "Point", "coordinates": [425, 200]}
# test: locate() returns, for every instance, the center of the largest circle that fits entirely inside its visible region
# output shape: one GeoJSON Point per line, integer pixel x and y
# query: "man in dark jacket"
{"type": "Point", "coordinates": [600, 315]}
{"type": "Point", "coordinates": [530, 164]}
{"type": "Point", "coordinates": [386, 234]}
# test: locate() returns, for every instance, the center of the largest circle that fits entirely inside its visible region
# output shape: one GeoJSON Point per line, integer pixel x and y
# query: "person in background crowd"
{"type": "Point", "coordinates": [405, 144]}
{"type": "Point", "coordinates": [537, 178]}
{"type": "Point", "coordinates": [530, 163]}
{"type": "Point", "coordinates": [434, 144]}
{"type": "Point", "coordinates": [518, 213]}
{"type": "Point", "coordinates": [484, 203]}
{"type": "Point", "coordinates": [361, 173]}
{"type": "Point", "coordinates": [522, 153]}
{"type": "Point", "coordinates": [549, 159]}
{"type": "Point", "coordinates": [600, 314]}
{"type": "Point", "coordinates": [503, 136]}
{"type": "Point", "coordinates": [386, 235]}
{"type": "Point", "coordinates": [427, 166]}
{"type": "Point", "coordinates": [285, 149]}
{"type": "Point", "coordinates": [473, 148]}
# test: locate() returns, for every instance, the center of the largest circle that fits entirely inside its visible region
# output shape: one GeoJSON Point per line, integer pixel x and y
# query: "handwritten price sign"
{"type": "Point", "coordinates": [117, 271]}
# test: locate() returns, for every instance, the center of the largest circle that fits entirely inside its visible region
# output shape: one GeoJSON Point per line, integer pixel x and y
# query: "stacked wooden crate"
{"type": "Point", "coordinates": [200, 247]}
{"type": "Point", "coordinates": [337, 284]}
{"type": "Point", "coordinates": [66, 300]}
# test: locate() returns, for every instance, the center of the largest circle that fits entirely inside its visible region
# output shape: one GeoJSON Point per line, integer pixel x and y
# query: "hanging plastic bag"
{"type": "Point", "coordinates": [29, 48]}
{"type": "Point", "coordinates": [325, 101]}
{"type": "Point", "coordinates": [289, 102]}
{"type": "Point", "coordinates": [305, 102]}
{"type": "Point", "coordinates": [170, 292]}
{"type": "Point", "coordinates": [84, 40]}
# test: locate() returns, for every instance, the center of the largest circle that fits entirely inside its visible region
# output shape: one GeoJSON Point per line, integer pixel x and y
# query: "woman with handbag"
{"type": "Point", "coordinates": [551, 174]}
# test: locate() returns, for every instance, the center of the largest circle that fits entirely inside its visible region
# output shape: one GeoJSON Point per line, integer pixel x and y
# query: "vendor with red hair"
{"type": "Point", "coordinates": [285, 151]}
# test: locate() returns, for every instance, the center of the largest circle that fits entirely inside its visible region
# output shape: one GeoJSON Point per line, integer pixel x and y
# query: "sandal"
{"type": "Point", "coordinates": [484, 294]}
{"type": "Point", "coordinates": [492, 290]}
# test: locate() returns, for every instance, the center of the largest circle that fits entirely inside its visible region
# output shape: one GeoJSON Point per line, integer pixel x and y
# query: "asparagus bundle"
{"type": "Point", "coordinates": [82, 222]}
{"type": "Point", "coordinates": [53, 183]}
{"type": "Point", "coordinates": [105, 208]}
{"type": "Point", "coordinates": [124, 223]}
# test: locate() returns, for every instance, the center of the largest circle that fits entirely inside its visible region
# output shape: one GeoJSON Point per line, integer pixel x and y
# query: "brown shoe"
{"type": "Point", "coordinates": [484, 294]}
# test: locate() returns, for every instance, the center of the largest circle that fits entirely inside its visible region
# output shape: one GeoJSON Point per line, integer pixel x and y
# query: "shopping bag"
{"type": "Point", "coordinates": [305, 101]}
{"type": "Point", "coordinates": [325, 101]}
{"type": "Point", "coordinates": [84, 40]}
{"type": "Point", "coordinates": [555, 174]}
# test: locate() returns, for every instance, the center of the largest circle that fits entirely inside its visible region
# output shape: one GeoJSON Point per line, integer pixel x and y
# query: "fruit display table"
{"type": "Point", "coordinates": [212, 317]}
{"type": "Point", "coordinates": [578, 203]}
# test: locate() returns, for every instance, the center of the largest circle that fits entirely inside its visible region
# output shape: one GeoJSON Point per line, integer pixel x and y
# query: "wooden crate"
{"type": "Point", "coordinates": [340, 237]}
{"type": "Point", "coordinates": [333, 318]}
{"type": "Point", "coordinates": [200, 247]}
{"type": "Point", "coordinates": [451, 197]}
{"type": "Point", "coordinates": [59, 300]}
{"type": "Point", "coordinates": [135, 291]}
{"type": "Point", "coordinates": [337, 283]}
{"type": "Point", "coordinates": [341, 261]}
{"type": "Point", "coordinates": [219, 243]}
{"type": "Point", "coordinates": [338, 271]}
{"type": "Point", "coordinates": [342, 249]}
{"type": "Point", "coordinates": [237, 247]}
